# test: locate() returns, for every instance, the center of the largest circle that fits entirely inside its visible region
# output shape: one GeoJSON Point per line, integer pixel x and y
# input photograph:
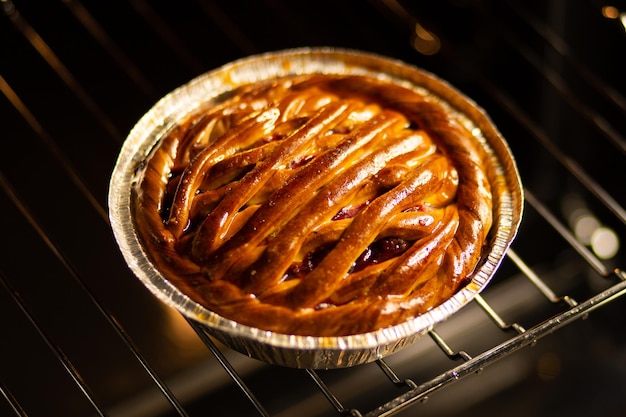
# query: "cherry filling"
{"type": "Point", "coordinates": [308, 264]}
{"type": "Point", "coordinates": [379, 251]}
{"type": "Point", "coordinates": [350, 211]}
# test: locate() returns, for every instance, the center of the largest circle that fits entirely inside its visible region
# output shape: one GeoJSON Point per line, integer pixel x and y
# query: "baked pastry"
{"type": "Point", "coordinates": [316, 204]}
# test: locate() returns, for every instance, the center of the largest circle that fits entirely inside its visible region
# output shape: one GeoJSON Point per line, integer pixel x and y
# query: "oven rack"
{"type": "Point", "coordinates": [562, 308]}
{"type": "Point", "coordinates": [411, 391]}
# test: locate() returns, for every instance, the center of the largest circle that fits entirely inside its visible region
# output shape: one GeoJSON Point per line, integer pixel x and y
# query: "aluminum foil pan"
{"type": "Point", "coordinates": [308, 351]}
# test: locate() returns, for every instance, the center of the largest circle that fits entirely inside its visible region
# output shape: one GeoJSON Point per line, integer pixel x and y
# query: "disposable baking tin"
{"type": "Point", "coordinates": [308, 351]}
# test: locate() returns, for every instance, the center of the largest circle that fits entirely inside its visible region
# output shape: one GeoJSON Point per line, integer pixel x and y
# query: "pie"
{"type": "Point", "coordinates": [316, 204]}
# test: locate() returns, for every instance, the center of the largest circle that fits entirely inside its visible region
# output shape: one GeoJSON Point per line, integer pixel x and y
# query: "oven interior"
{"type": "Point", "coordinates": [82, 337]}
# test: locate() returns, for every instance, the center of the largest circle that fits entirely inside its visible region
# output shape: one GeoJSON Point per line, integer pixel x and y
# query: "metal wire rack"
{"type": "Point", "coordinates": [46, 257]}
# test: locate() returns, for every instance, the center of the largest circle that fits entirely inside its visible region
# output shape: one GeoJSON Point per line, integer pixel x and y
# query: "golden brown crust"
{"type": "Point", "coordinates": [316, 205]}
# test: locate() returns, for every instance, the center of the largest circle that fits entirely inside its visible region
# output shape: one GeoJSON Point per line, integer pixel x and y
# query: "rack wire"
{"type": "Point", "coordinates": [564, 308]}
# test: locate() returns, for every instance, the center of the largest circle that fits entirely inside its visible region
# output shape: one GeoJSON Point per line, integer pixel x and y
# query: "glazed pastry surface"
{"type": "Point", "coordinates": [321, 205]}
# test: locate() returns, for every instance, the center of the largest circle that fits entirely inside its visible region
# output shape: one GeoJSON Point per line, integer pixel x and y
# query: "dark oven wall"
{"type": "Point", "coordinates": [81, 336]}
